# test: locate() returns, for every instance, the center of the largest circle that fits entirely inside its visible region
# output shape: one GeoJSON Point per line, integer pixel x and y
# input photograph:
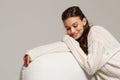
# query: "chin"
{"type": "Point", "coordinates": [76, 37]}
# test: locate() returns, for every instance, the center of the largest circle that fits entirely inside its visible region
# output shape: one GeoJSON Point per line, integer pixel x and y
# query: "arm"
{"type": "Point", "coordinates": [42, 50]}
{"type": "Point", "coordinates": [91, 62]}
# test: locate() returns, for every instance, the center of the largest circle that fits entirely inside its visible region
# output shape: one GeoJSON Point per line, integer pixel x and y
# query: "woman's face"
{"type": "Point", "coordinates": [75, 26]}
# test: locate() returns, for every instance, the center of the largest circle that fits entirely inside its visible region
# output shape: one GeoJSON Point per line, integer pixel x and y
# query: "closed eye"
{"type": "Point", "coordinates": [75, 25]}
{"type": "Point", "coordinates": [67, 28]}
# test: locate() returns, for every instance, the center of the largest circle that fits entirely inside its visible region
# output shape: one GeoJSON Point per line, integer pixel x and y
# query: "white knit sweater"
{"type": "Point", "coordinates": [103, 59]}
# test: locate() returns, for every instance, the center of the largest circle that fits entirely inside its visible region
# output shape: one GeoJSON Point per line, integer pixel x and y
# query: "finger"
{"type": "Point", "coordinates": [27, 60]}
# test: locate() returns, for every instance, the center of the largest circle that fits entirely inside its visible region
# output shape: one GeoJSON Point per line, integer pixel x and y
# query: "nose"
{"type": "Point", "coordinates": [73, 30]}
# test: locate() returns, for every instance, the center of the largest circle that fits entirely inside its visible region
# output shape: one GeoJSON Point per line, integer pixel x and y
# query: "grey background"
{"type": "Point", "coordinates": [25, 24]}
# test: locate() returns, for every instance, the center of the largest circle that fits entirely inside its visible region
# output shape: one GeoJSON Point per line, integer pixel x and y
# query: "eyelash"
{"type": "Point", "coordinates": [73, 26]}
{"type": "Point", "coordinates": [68, 28]}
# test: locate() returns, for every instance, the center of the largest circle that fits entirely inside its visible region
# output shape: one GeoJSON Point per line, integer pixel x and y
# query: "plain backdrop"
{"type": "Point", "coordinates": [25, 24]}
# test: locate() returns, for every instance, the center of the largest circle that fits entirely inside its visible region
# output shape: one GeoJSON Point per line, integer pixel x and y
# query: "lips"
{"type": "Point", "coordinates": [74, 35]}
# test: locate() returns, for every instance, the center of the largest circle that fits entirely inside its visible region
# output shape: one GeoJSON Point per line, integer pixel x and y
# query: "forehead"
{"type": "Point", "coordinates": [71, 20]}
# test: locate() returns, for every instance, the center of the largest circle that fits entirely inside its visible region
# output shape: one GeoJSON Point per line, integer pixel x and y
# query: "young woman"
{"type": "Point", "coordinates": [95, 49]}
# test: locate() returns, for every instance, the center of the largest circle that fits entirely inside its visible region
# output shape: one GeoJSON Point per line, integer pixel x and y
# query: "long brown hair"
{"type": "Point", "coordinates": [75, 11]}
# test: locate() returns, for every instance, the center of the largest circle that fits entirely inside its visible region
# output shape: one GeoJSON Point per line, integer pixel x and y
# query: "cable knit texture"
{"type": "Point", "coordinates": [103, 59]}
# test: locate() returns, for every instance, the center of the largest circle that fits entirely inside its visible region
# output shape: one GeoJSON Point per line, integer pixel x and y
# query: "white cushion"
{"type": "Point", "coordinates": [54, 66]}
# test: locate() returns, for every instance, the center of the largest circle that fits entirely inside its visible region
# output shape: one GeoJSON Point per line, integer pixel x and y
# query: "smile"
{"type": "Point", "coordinates": [75, 34]}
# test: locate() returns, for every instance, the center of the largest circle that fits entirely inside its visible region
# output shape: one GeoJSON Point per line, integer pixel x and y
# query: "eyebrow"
{"type": "Point", "coordinates": [75, 23]}
{"type": "Point", "coordinates": [72, 24]}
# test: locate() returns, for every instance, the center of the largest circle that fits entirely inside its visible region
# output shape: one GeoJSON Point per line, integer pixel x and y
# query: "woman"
{"type": "Point", "coordinates": [95, 49]}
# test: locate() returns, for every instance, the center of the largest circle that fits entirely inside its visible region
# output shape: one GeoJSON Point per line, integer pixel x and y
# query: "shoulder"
{"type": "Point", "coordinates": [97, 28]}
{"type": "Point", "coordinates": [97, 33]}
{"type": "Point", "coordinates": [101, 34]}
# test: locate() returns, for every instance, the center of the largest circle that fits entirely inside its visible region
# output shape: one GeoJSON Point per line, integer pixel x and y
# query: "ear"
{"type": "Point", "coordinates": [84, 21]}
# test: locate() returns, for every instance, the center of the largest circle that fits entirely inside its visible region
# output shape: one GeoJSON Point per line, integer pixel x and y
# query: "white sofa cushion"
{"type": "Point", "coordinates": [54, 66]}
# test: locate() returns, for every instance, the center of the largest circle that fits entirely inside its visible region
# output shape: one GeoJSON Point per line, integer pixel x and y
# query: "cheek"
{"type": "Point", "coordinates": [68, 32]}
{"type": "Point", "coordinates": [80, 28]}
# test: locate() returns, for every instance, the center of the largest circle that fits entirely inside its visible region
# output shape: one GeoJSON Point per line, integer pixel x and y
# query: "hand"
{"type": "Point", "coordinates": [27, 60]}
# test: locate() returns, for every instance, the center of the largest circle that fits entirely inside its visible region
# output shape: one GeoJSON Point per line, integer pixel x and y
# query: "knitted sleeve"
{"type": "Point", "coordinates": [46, 49]}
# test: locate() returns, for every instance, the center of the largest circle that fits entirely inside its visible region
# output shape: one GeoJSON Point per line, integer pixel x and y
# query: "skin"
{"type": "Point", "coordinates": [74, 27]}
{"type": "Point", "coordinates": [27, 60]}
